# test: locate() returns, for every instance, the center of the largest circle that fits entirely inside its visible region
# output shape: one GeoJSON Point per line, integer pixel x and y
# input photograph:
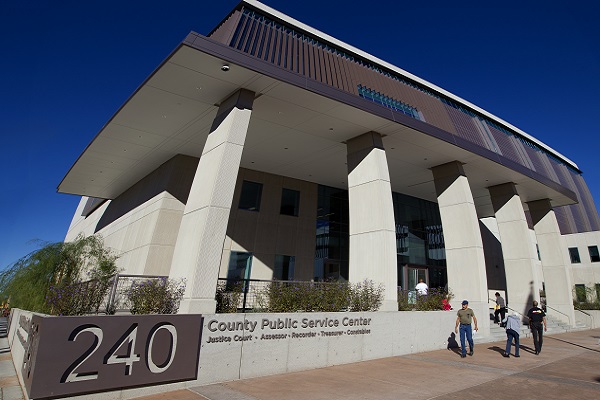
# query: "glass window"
{"type": "Point", "coordinates": [239, 269]}
{"type": "Point", "coordinates": [389, 102]}
{"type": "Point", "coordinates": [250, 196]}
{"type": "Point", "coordinates": [290, 202]}
{"type": "Point", "coordinates": [284, 268]}
{"type": "Point", "coordinates": [574, 253]}
{"type": "Point", "coordinates": [594, 255]}
{"type": "Point", "coordinates": [331, 256]}
{"type": "Point", "coordinates": [240, 266]}
{"type": "Point", "coordinates": [419, 234]}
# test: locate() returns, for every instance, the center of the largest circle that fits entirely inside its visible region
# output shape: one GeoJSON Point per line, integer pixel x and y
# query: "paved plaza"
{"type": "Point", "coordinates": [567, 368]}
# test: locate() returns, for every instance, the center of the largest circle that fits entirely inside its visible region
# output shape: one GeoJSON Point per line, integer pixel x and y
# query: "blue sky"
{"type": "Point", "coordinates": [67, 66]}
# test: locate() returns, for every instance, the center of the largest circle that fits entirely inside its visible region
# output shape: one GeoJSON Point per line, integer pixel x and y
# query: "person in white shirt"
{"type": "Point", "coordinates": [421, 288]}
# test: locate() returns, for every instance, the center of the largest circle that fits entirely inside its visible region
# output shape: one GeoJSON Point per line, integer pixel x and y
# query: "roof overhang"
{"type": "Point", "coordinates": [298, 129]}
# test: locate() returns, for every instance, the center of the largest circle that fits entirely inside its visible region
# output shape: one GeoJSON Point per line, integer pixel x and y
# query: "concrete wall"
{"type": "Point", "coordinates": [278, 343]}
{"type": "Point", "coordinates": [586, 272]}
{"type": "Point", "coordinates": [144, 236]}
{"type": "Point", "coordinates": [267, 233]}
{"type": "Point", "coordinates": [17, 339]}
{"type": "Point", "coordinates": [238, 346]}
{"type": "Point", "coordinates": [142, 224]}
{"type": "Point", "coordinates": [590, 318]}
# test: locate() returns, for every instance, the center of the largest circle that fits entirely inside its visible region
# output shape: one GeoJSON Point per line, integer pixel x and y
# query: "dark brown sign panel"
{"type": "Point", "coordinates": [76, 355]}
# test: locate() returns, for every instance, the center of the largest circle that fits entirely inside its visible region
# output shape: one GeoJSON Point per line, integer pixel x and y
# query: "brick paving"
{"type": "Point", "coordinates": [567, 368]}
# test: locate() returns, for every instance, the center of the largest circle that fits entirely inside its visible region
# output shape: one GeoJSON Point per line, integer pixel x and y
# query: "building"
{"type": "Point", "coordinates": [268, 149]}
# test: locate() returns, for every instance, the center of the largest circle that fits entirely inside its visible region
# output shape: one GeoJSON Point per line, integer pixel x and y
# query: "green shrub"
{"type": "Point", "coordinates": [406, 300]}
{"type": "Point", "coordinates": [51, 279]}
{"type": "Point", "coordinates": [366, 296]}
{"type": "Point", "coordinates": [156, 296]}
{"type": "Point", "coordinates": [285, 296]}
{"type": "Point", "coordinates": [228, 297]}
{"type": "Point", "coordinates": [77, 299]}
{"type": "Point", "coordinates": [585, 298]}
{"type": "Point", "coordinates": [588, 305]}
{"type": "Point", "coordinates": [409, 300]}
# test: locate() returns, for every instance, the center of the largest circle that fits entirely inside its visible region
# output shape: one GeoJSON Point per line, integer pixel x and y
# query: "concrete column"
{"type": "Point", "coordinates": [465, 259]}
{"type": "Point", "coordinates": [519, 258]}
{"type": "Point", "coordinates": [372, 227]}
{"type": "Point", "coordinates": [553, 252]}
{"type": "Point", "coordinates": [199, 246]}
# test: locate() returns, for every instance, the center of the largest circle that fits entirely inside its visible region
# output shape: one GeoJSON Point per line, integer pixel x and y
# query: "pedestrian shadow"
{"type": "Point", "coordinates": [452, 343]}
{"type": "Point", "coordinates": [497, 349]}
{"type": "Point", "coordinates": [527, 349]}
{"type": "Point", "coordinates": [571, 343]}
{"type": "Point", "coordinates": [521, 349]}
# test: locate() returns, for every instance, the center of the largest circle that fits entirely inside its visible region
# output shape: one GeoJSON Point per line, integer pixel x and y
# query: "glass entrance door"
{"type": "Point", "coordinates": [413, 276]}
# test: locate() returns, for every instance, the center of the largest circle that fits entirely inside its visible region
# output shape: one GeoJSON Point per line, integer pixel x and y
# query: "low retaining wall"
{"type": "Point", "coordinates": [239, 346]}
{"type": "Point", "coordinates": [590, 318]}
{"type": "Point", "coordinates": [18, 334]}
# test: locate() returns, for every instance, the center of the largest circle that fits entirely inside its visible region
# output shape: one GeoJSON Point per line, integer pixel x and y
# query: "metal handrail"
{"type": "Point", "coordinates": [552, 308]}
{"type": "Point", "coordinates": [507, 307]}
{"type": "Point", "coordinates": [589, 315]}
{"type": "Point", "coordinates": [112, 296]}
{"type": "Point", "coordinates": [505, 304]}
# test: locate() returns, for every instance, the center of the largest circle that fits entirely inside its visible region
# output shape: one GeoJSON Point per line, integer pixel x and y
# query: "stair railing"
{"type": "Point", "coordinates": [589, 315]}
{"type": "Point", "coordinates": [507, 307]}
{"type": "Point", "coordinates": [547, 306]}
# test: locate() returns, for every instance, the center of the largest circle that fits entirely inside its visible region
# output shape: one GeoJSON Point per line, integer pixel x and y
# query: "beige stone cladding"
{"type": "Point", "coordinates": [267, 233]}
{"type": "Point", "coordinates": [465, 259]}
{"type": "Point", "coordinates": [554, 255]}
{"type": "Point", "coordinates": [141, 224]}
{"type": "Point", "coordinates": [585, 272]}
{"type": "Point", "coordinates": [519, 256]}
{"type": "Point", "coordinates": [372, 230]}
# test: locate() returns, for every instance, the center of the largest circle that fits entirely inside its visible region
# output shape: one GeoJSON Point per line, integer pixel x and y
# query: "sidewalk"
{"type": "Point", "coordinates": [567, 368]}
{"type": "Point", "coordinates": [9, 384]}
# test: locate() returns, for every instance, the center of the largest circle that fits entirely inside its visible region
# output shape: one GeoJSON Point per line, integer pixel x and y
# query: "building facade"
{"type": "Point", "coordinates": [270, 150]}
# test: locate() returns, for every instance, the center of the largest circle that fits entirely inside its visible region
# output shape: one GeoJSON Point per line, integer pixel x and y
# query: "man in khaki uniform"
{"type": "Point", "coordinates": [464, 318]}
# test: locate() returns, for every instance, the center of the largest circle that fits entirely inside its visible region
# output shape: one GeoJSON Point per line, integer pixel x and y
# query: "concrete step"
{"type": "Point", "coordinates": [3, 327]}
{"type": "Point", "coordinates": [553, 324]}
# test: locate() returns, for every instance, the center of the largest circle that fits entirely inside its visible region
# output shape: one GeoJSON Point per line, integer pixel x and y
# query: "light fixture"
{"type": "Point", "coordinates": [225, 68]}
